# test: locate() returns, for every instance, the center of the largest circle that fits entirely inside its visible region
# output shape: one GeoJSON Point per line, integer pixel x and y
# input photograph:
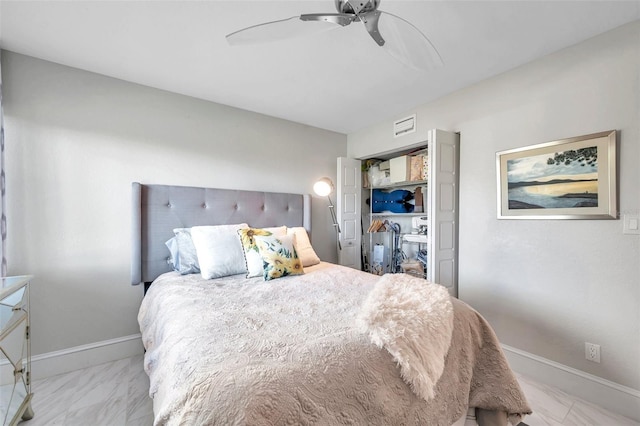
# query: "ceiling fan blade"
{"type": "Point", "coordinates": [295, 26]}
{"type": "Point", "coordinates": [406, 43]}
{"type": "Point", "coordinates": [342, 19]}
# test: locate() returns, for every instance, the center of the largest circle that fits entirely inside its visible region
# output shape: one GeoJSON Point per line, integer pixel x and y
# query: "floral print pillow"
{"type": "Point", "coordinates": [252, 256]}
{"type": "Point", "coordinates": [279, 256]}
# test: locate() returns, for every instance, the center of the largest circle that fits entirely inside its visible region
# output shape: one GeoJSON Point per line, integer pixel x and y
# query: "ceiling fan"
{"type": "Point", "coordinates": [398, 37]}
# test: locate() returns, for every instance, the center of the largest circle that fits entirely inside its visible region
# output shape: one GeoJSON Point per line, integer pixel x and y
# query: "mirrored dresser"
{"type": "Point", "coordinates": [15, 350]}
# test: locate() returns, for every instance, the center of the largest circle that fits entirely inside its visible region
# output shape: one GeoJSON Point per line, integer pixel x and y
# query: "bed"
{"type": "Point", "coordinates": [329, 345]}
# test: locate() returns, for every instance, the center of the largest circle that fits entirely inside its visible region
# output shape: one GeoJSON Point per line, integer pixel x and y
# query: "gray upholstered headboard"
{"type": "Point", "coordinates": [158, 209]}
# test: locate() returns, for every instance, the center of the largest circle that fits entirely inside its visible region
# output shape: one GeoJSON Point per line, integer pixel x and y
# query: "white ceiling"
{"type": "Point", "coordinates": [340, 80]}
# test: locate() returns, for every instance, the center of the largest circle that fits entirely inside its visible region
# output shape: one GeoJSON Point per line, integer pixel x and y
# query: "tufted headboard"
{"type": "Point", "coordinates": [158, 209]}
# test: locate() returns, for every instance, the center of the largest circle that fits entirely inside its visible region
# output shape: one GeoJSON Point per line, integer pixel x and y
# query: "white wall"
{"type": "Point", "coordinates": [74, 143]}
{"type": "Point", "coordinates": [547, 286]}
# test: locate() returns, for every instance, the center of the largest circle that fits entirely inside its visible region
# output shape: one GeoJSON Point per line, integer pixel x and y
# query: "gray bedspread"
{"type": "Point", "coordinates": [288, 351]}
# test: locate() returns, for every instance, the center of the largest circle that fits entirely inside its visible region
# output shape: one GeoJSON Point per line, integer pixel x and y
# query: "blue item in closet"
{"type": "Point", "coordinates": [395, 201]}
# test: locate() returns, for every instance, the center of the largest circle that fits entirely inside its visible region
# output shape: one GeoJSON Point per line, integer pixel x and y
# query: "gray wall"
{"type": "Point", "coordinates": [547, 286]}
{"type": "Point", "coordinates": [74, 143]}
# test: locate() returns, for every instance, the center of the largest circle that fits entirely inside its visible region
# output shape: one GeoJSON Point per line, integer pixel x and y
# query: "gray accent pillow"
{"type": "Point", "coordinates": [184, 258]}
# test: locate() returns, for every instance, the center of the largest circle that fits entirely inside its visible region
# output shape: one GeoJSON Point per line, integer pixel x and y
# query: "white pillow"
{"type": "Point", "coordinates": [303, 246]}
{"type": "Point", "coordinates": [251, 254]}
{"type": "Point", "coordinates": [219, 250]}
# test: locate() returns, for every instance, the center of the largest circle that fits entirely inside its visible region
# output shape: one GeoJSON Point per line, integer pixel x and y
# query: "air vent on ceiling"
{"type": "Point", "coordinates": [404, 126]}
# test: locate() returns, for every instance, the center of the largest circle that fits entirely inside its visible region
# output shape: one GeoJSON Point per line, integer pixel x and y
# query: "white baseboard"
{"type": "Point", "coordinates": [607, 394]}
{"type": "Point", "coordinates": [72, 359]}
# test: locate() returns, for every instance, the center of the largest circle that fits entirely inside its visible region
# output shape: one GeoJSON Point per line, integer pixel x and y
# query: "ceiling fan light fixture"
{"type": "Point", "coordinates": [397, 36]}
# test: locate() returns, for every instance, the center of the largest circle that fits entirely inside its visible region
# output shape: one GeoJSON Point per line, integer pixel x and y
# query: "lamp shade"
{"type": "Point", "coordinates": [323, 187]}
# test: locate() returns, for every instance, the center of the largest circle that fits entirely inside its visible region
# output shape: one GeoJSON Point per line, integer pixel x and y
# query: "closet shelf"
{"type": "Point", "coordinates": [415, 238]}
{"type": "Point", "coordinates": [398, 184]}
{"type": "Point", "coordinates": [397, 214]}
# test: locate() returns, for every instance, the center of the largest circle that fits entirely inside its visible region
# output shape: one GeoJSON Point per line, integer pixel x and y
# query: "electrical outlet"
{"type": "Point", "coordinates": [592, 352]}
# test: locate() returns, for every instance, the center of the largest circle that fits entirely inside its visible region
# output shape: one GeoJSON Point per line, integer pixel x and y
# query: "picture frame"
{"type": "Point", "coordinates": [574, 178]}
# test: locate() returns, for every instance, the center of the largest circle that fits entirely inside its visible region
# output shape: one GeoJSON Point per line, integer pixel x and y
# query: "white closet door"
{"type": "Point", "coordinates": [348, 206]}
{"type": "Point", "coordinates": [444, 158]}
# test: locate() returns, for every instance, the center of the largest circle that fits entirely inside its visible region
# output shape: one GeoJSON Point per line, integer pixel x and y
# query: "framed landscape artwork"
{"type": "Point", "coordinates": [566, 179]}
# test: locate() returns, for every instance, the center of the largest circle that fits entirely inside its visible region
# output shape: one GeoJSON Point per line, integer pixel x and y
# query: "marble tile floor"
{"type": "Point", "coordinates": [111, 394]}
{"type": "Point", "coordinates": [115, 394]}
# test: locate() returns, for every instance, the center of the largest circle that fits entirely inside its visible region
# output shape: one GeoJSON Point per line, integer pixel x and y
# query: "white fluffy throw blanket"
{"type": "Point", "coordinates": [413, 320]}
